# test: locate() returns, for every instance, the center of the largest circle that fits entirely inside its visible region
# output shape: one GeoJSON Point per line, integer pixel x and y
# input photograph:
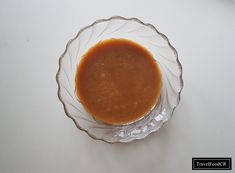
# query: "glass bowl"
{"type": "Point", "coordinates": [144, 34]}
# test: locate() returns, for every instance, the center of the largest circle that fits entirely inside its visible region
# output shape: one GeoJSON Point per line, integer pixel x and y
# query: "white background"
{"type": "Point", "coordinates": [37, 137]}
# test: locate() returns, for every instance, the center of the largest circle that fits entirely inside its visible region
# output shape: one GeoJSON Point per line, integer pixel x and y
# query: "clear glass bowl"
{"type": "Point", "coordinates": [149, 37]}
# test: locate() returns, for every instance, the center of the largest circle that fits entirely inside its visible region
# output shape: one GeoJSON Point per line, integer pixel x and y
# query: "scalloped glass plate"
{"type": "Point", "coordinates": [149, 37]}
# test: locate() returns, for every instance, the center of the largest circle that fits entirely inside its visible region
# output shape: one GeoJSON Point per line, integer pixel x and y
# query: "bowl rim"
{"type": "Point", "coordinates": [91, 25]}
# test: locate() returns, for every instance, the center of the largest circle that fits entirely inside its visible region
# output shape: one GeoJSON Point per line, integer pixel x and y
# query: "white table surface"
{"type": "Point", "coordinates": [37, 137]}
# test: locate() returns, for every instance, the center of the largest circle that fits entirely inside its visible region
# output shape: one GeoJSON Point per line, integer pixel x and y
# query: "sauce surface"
{"type": "Point", "coordinates": [118, 81]}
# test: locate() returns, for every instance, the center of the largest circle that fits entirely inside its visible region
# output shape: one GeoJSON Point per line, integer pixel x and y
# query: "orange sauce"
{"type": "Point", "coordinates": [118, 81]}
